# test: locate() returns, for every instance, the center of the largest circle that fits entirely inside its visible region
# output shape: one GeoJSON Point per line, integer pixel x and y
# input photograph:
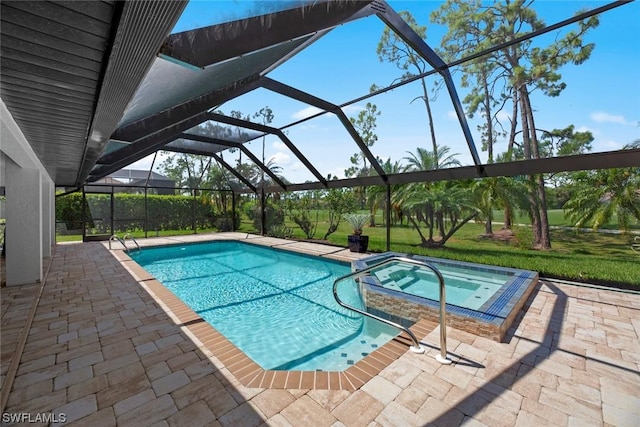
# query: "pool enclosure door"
{"type": "Point", "coordinates": [97, 214]}
{"type": "Point", "coordinates": [109, 210]}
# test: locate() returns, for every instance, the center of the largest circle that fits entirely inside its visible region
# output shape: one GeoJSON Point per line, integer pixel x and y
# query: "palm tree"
{"type": "Point", "coordinates": [484, 191]}
{"type": "Point", "coordinates": [217, 178]}
{"type": "Point", "coordinates": [604, 193]}
{"type": "Point", "coordinates": [443, 207]}
{"type": "Point", "coordinates": [277, 171]}
{"type": "Point", "coordinates": [425, 160]}
{"type": "Point", "coordinates": [440, 206]}
{"type": "Point", "coordinates": [499, 192]}
{"type": "Point", "coordinates": [377, 194]}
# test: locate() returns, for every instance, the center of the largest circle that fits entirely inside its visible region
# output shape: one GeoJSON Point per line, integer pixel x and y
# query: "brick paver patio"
{"type": "Point", "coordinates": [102, 351]}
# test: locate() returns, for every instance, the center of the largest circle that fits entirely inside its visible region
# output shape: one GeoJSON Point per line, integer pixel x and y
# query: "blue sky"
{"type": "Point", "coordinates": [602, 95]}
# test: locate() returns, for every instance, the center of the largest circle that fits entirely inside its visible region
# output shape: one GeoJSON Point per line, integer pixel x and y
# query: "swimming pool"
{"type": "Point", "coordinates": [276, 306]}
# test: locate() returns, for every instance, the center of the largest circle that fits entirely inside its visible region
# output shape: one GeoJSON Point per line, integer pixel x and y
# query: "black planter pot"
{"type": "Point", "coordinates": [358, 243]}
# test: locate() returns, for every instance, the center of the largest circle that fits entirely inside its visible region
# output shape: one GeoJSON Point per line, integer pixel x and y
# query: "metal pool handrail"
{"type": "Point", "coordinates": [123, 241]}
{"type": "Point", "coordinates": [114, 237]}
{"type": "Point", "coordinates": [129, 236]}
{"type": "Point", "coordinates": [416, 348]}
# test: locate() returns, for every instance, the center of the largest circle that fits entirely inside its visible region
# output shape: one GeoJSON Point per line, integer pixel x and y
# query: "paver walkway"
{"type": "Point", "coordinates": [102, 351]}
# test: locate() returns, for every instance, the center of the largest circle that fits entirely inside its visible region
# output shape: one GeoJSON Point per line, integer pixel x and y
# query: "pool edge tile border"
{"type": "Point", "coordinates": [223, 354]}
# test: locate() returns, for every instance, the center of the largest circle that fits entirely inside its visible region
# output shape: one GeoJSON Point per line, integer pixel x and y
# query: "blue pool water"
{"type": "Point", "coordinates": [464, 287]}
{"type": "Point", "coordinates": [277, 307]}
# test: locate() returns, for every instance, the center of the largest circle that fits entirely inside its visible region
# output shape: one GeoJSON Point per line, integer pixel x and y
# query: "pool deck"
{"type": "Point", "coordinates": [103, 350]}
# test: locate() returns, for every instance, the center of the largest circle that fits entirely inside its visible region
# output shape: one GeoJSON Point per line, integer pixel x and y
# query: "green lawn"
{"type": "Point", "coordinates": [557, 218]}
{"type": "Point", "coordinates": [595, 257]}
{"type": "Point", "coordinates": [136, 234]}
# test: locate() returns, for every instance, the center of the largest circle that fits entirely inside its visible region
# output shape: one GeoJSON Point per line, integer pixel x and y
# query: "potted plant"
{"type": "Point", "coordinates": [357, 242]}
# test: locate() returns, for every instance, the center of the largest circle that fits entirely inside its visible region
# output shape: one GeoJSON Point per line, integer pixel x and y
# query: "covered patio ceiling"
{"type": "Point", "coordinates": [148, 91]}
{"type": "Point", "coordinates": [69, 69]}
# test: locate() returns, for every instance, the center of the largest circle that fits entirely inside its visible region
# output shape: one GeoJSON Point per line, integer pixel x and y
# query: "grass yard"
{"type": "Point", "coordinates": [136, 234]}
{"type": "Point", "coordinates": [595, 257]}
{"type": "Point", "coordinates": [557, 218]}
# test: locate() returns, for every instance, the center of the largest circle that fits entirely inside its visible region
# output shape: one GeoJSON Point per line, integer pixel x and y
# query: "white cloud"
{"type": "Point", "coordinates": [611, 145]}
{"type": "Point", "coordinates": [503, 116]}
{"type": "Point", "coordinates": [451, 115]}
{"type": "Point", "coordinates": [597, 133]}
{"type": "Point", "coordinates": [279, 145]}
{"type": "Point", "coordinates": [308, 126]}
{"type": "Point", "coordinates": [339, 172]}
{"type": "Point", "coordinates": [349, 110]}
{"type": "Point", "coordinates": [352, 109]}
{"type": "Point", "coordinates": [305, 112]}
{"type": "Point", "coordinates": [297, 166]}
{"type": "Point", "coordinates": [280, 158]}
{"type": "Point", "coordinates": [145, 163]}
{"type": "Point", "coordinates": [602, 117]}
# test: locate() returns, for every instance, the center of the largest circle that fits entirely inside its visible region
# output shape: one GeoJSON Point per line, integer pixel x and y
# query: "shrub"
{"type": "Point", "coordinates": [274, 215]}
{"type": "Point", "coordinates": [524, 236]}
{"type": "Point", "coordinates": [224, 224]}
{"type": "Point", "coordinates": [300, 213]}
{"type": "Point", "coordinates": [69, 211]}
{"type": "Point", "coordinates": [357, 221]}
{"type": "Point", "coordinates": [307, 226]}
{"type": "Point", "coordinates": [280, 231]}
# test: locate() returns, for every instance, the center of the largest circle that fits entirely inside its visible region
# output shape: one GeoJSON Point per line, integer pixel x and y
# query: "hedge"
{"type": "Point", "coordinates": [163, 212]}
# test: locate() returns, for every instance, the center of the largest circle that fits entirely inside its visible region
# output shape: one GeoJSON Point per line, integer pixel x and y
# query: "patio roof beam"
{"type": "Point", "coordinates": [311, 40]}
{"type": "Point", "coordinates": [241, 147]}
{"type": "Point", "coordinates": [216, 43]}
{"type": "Point", "coordinates": [306, 98]}
{"type": "Point", "coordinates": [141, 148]}
{"type": "Point", "coordinates": [235, 173]}
{"type": "Point", "coordinates": [406, 33]}
{"type": "Point", "coordinates": [178, 149]}
{"type": "Point", "coordinates": [592, 161]}
{"type": "Point", "coordinates": [179, 113]}
{"type": "Point", "coordinates": [267, 129]}
{"type": "Point", "coordinates": [157, 130]}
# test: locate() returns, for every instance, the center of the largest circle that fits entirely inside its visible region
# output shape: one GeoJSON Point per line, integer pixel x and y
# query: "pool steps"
{"type": "Point", "coordinates": [417, 347]}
